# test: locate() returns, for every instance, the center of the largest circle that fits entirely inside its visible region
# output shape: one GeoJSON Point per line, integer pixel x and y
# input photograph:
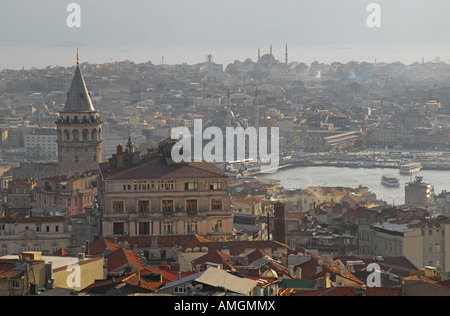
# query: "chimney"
{"type": "Point", "coordinates": [279, 223]}
{"type": "Point", "coordinates": [119, 150]}
{"type": "Point", "coordinates": [87, 248]}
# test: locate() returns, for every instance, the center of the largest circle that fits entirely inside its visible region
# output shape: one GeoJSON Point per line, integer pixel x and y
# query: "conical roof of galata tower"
{"type": "Point", "coordinates": [78, 98]}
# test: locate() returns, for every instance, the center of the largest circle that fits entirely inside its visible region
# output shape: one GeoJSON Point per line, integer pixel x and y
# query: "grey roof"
{"type": "Point", "coordinates": [218, 278]}
{"type": "Point", "coordinates": [78, 98]}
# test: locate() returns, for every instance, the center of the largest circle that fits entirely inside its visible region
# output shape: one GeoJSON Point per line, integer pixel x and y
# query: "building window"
{"type": "Point", "coordinates": [117, 206]}
{"type": "Point", "coordinates": [143, 206]}
{"type": "Point", "coordinates": [16, 284]}
{"type": "Point", "coordinates": [191, 207]}
{"type": "Point", "coordinates": [4, 250]}
{"type": "Point", "coordinates": [178, 289]}
{"type": "Point", "coordinates": [118, 228]}
{"type": "Point", "coordinates": [216, 204]}
{"type": "Point", "coordinates": [191, 227]}
{"type": "Point", "coordinates": [144, 228]}
{"type": "Point", "coordinates": [216, 226]}
{"type": "Point", "coordinates": [168, 228]}
{"type": "Point", "coordinates": [191, 185]}
{"type": "Point", "coordinates": [215, 185]}
{"type": "Point", "coordinates": [167, 207]}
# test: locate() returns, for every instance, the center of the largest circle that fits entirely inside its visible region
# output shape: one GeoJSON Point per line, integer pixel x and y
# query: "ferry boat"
{"type": "Point", "coordinates": [410, 168]}
{"type": "Point", "coordinates": [390, 181]}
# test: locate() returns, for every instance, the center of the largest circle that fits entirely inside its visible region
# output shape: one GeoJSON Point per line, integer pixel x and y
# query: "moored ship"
{"type": "Point", "coordinates": [410, 168]}
{"type": "Point", "coordinates": [390, 181]}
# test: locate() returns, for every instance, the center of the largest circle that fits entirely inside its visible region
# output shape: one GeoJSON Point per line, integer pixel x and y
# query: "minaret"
{"type": "Point", "coordinates": [286, 55]}
{"type": "Point", "coordinates": [79, 130]}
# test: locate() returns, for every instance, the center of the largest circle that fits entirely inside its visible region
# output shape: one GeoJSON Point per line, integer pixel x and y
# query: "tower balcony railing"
{"type": "Point", "coordinates": [79, 121]}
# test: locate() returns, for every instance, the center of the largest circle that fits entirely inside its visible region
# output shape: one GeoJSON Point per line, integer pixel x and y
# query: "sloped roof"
{"type": "Point", "coordinates": [157, 168]}
{"type": "Point", "coordinates": [220, 279]}
{"type": "Point", "coordinates": [239, 247]}
{"type": "Point", "coordinates": [122, 257]}
{"type": "Point", "coordinates": [61, 252]}
{"type": "Point", "coordinates": [101, 286]}
{"type": "Point", "coordinates": [169, 241]}
{"type": "Point", "coordinates": [398, 265]}
{"type": "Point", "coordinates": [24, 217]}
{"type": "Point", "coordinates": [102, 245]}
{"type": "Point", "coordinates": [214, 256]}
{"type": "Point", "coordinates": [78, 98]}
{"type": "Point", "coordinates": [9, 269]}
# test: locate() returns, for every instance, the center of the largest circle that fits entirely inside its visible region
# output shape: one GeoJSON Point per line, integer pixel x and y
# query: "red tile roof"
{"type": "Point", "coordinates": [61, 252]}
{"type": "Point", "coordinates": [167, 275]}
{"type": "Point", "coordinates": [21, 217]}
{"type": "Point", "coordinates": [186, 241]}
{"type": "Point", "coordinates": [239, 247]}
{"type": "Point", "coordinates": [8, 270]}
{"type": "Point", "coordinates": [383, 291]}
{"type": "Point", "coordinates": [214, 256]}
{"type": "Point", "coordinates": [398, 265]}
{"type": "Point", "coordinates": [142, 282]}
{"type": "Point", "coordinates": [133, 279]}
{"type": "Point", "coordinates": [101, 246]}
{"type": "Point", "coordinates": [255, 255]}
{"type": "Point", "coordinates": [157, 168]}
{"type": "Point", "coordinates": [122, 257]}
{"type": "Point", "coordinates": [351, 291]}
{"type": "Point", "coordinates": [312, 270]}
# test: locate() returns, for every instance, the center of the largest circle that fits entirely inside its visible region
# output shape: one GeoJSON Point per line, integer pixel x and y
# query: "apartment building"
{"type": "Point", "coordinates": [41, 144]}
{"type": "Point", "coordinates": [152, 195]}
{"type": "Point", "coordinates": [20, 232]}
{"type": "Point", "coordinates": [424, 242]}
{"type": "Point", "coordinates": [68, 195]}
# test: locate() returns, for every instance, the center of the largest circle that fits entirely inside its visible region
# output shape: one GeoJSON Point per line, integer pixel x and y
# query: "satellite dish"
{"type": "Point", "coordinates": [320, 262]}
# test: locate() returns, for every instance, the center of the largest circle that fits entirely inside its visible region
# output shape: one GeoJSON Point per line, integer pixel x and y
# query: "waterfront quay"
{"type": "Point", "coordinates": [369, 159]}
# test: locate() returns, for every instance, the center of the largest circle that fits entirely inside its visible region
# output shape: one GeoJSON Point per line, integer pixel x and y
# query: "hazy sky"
{"type": "Point", "coordinates": [225, 22]}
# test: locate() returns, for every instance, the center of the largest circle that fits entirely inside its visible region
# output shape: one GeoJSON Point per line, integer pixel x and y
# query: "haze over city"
{"type": "Point", "coordinates": [317, 161]}
{"type": "Point", "coordinates": [409, 30]}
